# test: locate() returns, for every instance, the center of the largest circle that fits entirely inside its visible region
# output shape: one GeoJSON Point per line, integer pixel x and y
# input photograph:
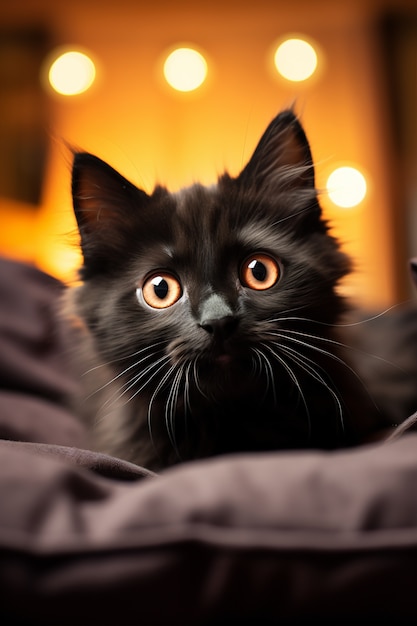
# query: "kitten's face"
{"type": "Point", "coordinates": [199, 294]}
{"type": "Point", "coordinates": [218, 283]}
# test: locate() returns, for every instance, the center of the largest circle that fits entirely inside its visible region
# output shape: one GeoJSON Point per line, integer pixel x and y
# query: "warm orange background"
{"type": "Point", "coordinates": [153, 134]}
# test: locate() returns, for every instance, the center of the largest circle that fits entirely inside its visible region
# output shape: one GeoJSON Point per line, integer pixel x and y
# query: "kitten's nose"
{"type": "Point", "coordinates": [217, 318]}
{"type": "Point", "coordinates": [221, 328]}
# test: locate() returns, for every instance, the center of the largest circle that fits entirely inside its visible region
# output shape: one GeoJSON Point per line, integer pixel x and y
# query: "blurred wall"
{"type": "Point", "coordinates": [132, 119]}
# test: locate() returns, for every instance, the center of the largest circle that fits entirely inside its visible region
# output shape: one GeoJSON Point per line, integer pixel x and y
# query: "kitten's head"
{"type": "Point", "coordinates": [196, 294]}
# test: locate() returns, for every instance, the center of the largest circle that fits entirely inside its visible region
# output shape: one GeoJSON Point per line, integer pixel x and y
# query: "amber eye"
{"type": "Point", "coordinates": [260, 272]}
{"type": "Point", "coordinates": [161, 290]}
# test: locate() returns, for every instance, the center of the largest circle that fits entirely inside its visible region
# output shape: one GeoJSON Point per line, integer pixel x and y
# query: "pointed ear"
{"type": "Point", "coordinates": [282, 159]}
{"type": "Point", "coordinates": [104, 203]}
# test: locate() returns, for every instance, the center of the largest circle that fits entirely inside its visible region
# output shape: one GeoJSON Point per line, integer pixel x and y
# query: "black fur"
{"type": "Point", "coordinates": [227, 367]}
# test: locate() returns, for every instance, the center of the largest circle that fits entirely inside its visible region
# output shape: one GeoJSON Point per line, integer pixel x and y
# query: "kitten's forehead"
{"type": "Point", "coordinates": [215, 218]}
{"type": "Point", "coordinates": [195, 200]}
{"type": "Point", "coordinates": [201, 215]}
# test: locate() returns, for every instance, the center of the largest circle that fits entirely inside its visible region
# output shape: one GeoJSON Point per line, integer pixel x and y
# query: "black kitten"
{"type": "Point", "coordinates": [214, 311]}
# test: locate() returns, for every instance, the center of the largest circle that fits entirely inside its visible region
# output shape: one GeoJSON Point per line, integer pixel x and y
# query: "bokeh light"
{"type": "Point", "coordinates": [346, 187]}
{"type": "Point", "coordinates": [295, 59]}
{"type": "Point", "coordinates": [72, 73]}
{"type": "Point", "coordinates": [185, 69]}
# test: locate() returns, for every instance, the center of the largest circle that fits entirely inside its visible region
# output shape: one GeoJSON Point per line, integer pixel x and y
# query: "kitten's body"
{"type": "Point", "coordinates": [214, 312]}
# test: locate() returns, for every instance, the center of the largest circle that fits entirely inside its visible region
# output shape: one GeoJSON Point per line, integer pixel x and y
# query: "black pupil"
{"type": "Point", "coordinates": [259, 271]}
{"type": "Point", "coordinates": [160, 287]}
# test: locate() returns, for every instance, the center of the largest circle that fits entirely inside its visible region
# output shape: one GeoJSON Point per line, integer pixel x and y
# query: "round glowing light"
{"type": "Point", "coordinates": [185, 69]}
{"type": "Point", "coordinates": [346, 187]}
{"type": "Point", "coordinates": [72, 73]}
{"type": "Point", "coordinates": [295, 60]}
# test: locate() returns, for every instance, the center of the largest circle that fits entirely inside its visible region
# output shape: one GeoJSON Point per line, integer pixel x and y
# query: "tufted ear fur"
{"type": "Point", "coordinates": [104, 202]}
{"type": "Point", "coordinates": [282, 154]}
{"type": "Point", "coordinates": [281, 167]}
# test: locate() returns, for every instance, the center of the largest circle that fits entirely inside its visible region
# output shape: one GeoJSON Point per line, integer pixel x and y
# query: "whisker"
{"type": "Point", "coordinates": [118, 394]}
{"type": "Point", "coordinates": [127, 369]}
{"type": "Point", "coordinates": [196, 378]}
{"type": "Point", "coordinates": [348, 347]}
{"type": "Point", "coordinates": [160, 386]}
{"type": "Point", "coordinates": [308, 365]}
{"type": "Point", "coordinates": [138, 377]}
{"type": "Point", "coordinates": [344, 324]}
{"type": "Point", "coordinates": [123, 358]}
{"type": "Point", "coordinates": [164, 360]}
{"type": "Point", "coordinates": [295, 380]}
{"type": "Point", "coordinates": [410, 422]}
{"type": "Point", "coordinates": [311, 346]}
{"type": "Point", "coordinates": [256, 363]}
{"type": "Point", "coordinates": [186, 395]}
{"type": "Point", "coordinates": [187, 404]}
{"type": "Point", "coordinates": [170, 407]}
{"type": "Point", "coordinates": [331, 355]}
{"type": "Point", "coordinates": [269, 373]}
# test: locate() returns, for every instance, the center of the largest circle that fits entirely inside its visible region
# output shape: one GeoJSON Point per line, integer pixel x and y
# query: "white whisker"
{"type": "Point", "coordinates": [196, 378]}
{"type": "Point", "coordinates": [124, 358]}
{"type": "Point", "coordinates": [170, 407]}
{"type": "Point", "coordinates": [159, 387]}
{"type": "Point", "coordinates": [341, 324]}
{"type": "Point", "coordinates": [134, 365]}
{"type": "Point", "coordinates": [309, 366]}
{"type": "Point", "coordinates": [187, 404]}
{"type": "Point", "coordinates": [294, 378]}
{"type": "Point", "coordinates": [115, 398]}
{"type": "Point", "coordinates": [286, 335]}
{"type": "Point", "coordinates": [270, 382]}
